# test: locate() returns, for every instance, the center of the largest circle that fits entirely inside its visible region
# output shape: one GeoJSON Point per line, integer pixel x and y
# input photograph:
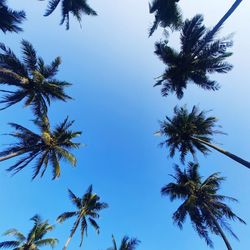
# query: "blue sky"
{"type": "Point", "coordinates": [111, 64]}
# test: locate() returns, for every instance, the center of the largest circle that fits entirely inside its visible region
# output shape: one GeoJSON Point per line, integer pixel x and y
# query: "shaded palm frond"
{"type": "Point", "coordinates": [10, 20]}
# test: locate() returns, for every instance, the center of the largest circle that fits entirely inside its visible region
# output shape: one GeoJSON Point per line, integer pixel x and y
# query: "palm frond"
{"type": "Point", "coordinates": [29, 55]}
{"type": "Point", "coordinates": [51, 7]}
{"type": "Point", "coordinates": [47, 242]}
{"type": "Point", "coordinates": [9, 244]}
{"type": "Point", "coordinates": [75, 200]}
{"type": "Point", "coordinates": [10, 20]}
{"type": "Point", "coordinates": [65, 216]}
{"type": "Point", "coordinates": [14, 232]}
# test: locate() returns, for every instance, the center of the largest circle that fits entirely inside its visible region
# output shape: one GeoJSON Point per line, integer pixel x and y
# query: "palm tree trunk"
{"type": "Point", "coordinates": [225, 17]}
{"type": "Point", "coordinates": [228, 154]}
{"type": "Point", "coordinates": [72, 232]}
{"type": "Point", "coordinates": [223, 236]}
{"type": "Point", "coordinates": [9, 156]}
{"type": "Point", "coordinates": [218, 25]}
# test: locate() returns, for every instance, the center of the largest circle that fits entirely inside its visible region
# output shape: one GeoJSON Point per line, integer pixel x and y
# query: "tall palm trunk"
{"type": "Point", "coordinates": [223, 236]}
{"type": "Point", "coordinates": [9, 156]}
{"type": "Point", "coordinates": [72, 232]}
{"type": "Point", "coordinates": [228, 154]}
{"type": "Point", "coordinates": [218, 25]}
{"type": "Point", "coordinates": [225, 17]}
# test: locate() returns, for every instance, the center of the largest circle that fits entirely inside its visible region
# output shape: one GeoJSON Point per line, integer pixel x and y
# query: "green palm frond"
{"type": "Point", "coordinates": [94, 225]}
{"type": "Point", "coordinates": [75, 200]}
{"type": "Point", "coordinates": [47, 242]}
{"type": "Point", "coordinates": [9, 244]}
{"type": "Point", "coordinates": [13, 232]}
{"type": "Point", "coordinates": [51, 7]}
{"type": "Point", "coordinates": [10, 20]}
{"type": "Point", "coordinates": [8, 60]}
{"type": "Point", "coordinates": [29, 55]}
{"type": "Point", "coordinates": [84, 229]}
{"type": "Point", "coordinates": [65, 216]}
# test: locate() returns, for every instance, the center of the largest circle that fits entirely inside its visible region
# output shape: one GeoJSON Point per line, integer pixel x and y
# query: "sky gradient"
{"type": "Point", "coordinates": [111, 63]}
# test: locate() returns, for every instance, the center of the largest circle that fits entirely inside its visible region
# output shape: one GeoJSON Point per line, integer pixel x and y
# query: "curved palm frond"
{"type": "Point", "coordinates": [10, 20]}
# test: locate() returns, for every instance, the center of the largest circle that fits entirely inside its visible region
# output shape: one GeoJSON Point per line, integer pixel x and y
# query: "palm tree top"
{"type": "Point", "coordinates": [89, 203]}
{"type": "Point", "coordinates": [35, 238]}
{"type": "Point", "coordinates": [87, 211]}
{"type": "Point", "coordinates": [10, 19]}
{"type": "Point", "coordinates": [33, 80]}
{"type": "Point", "coordinates": [126, 243]}
{"type": "Point", "coordinates": [195, 60]}
{"type": "Point", "coordinates": [75, 7]}
{"type": "Point", "coordinates": [184, 127]}
{"type": "Point", "coordinates": [201, 201]}
{"type": "Point", "coordinates": [167, 14]}
{"type": "Point", "coordinates": [49, 146]}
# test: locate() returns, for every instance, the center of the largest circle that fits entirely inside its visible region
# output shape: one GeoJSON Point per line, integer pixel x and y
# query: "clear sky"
{"type": "Point", "coordinates": [111, 64]}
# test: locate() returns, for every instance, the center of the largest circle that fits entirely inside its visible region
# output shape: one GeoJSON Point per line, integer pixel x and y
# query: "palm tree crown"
{"type": "Point", "coordinates": [201, 201]}
{"type": "Point", "coordinates": [192, 63]}
{"type": "Point", "coordinates": [35, 238]}
{"type": "Point", "coordinates": [167, 14]}
{"type": "Point", "coordinates": [34, 81]}
{"type": "Point", "coordinates": [87, 211]}
{"type": "Point", "coordinates": [76, 7]}
{"type": "Point", "coordinates": [182, 129]}
{"type": "Point", "coordinates": [126, 243]}
{"type": "Point", "coordinates": [48, 147]}
{"type": "Point", "coordinates": [188, 132]}
{"type": "Point", "coordinates": [10, 19]}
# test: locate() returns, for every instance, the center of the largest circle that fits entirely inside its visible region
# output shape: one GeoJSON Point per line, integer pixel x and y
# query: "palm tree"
{"type": "Point", "coordinates": [48, 147]}
{"type": "Point", "coordinates": [87, 210]}
{"type": "Point", "coordinates": [35, 238]}
{"type": "Point", "coordinates": [126, 243]}
{"type": "Point", "coordinates": [201, 201]}
{"type": "Point", "coordinates": [33, 80]}
{"type": "Point", "coordinates": [167, 14]}
{"type": "Point", "coordinates": [10, 19]}
{"type": "Point", "coordinates": [188, 132]}
{"type": "Point", "coordinates": [191, 63]}
{"type": "Point", "coordinates": [76, 7]}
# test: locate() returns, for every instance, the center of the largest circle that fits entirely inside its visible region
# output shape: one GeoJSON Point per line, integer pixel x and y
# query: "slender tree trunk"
{"type": "Point", "coordinates": [72, 233]}
{"type": "Point", "coordinates": [225, 17]}
{"type": "Point", "coordinates": [218, 25]}
{"type": "Point", "coordinates": [228, 154]}
{"type": "Point", "coordinates": [223, 236]}
{"type": "Point", "coordinates": [9, 156]}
